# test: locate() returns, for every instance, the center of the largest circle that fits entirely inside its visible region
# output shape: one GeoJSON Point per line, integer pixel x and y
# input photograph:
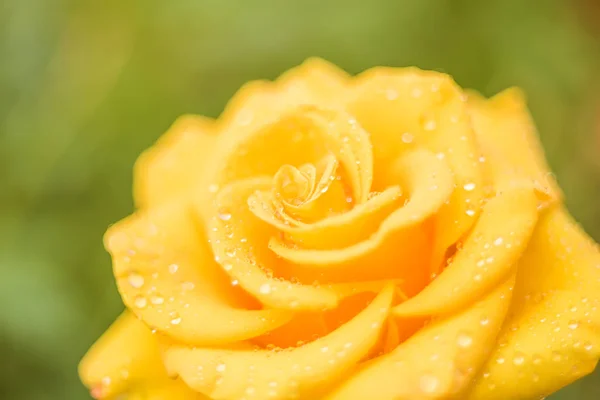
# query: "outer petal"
{"type": "Point", "coordinates": [176, 164]}
{"type": "Point", "coordinates": [167, 276]}
{"type": "Point", "coordinates": [439, 361]}
{"type": "Point", "coordinates": [314, 82]}
{"type": "Point", "coordinates": [552, 335]}
{"type": "Point", "coordinates": [297, 373]}
{"type": "Point", "coordinates": [409, 108]}
{"type": "Point", "coordinates": [126, 360]}
{"type": "Point", "coordinates": [486, 258]}
{"type": "Point", "coordinates": [509, 142]}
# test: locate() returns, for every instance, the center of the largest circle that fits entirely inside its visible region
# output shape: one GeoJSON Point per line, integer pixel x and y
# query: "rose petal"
{"type": "Point", "coordinates": [486, 258]}
{"type": "Point", "coordinates": [509, 142]}
{"type": "Point", "coordinates": [176, 164]}
{"type": "Point", "coordinates": [428, 183]}
{"type": "Point", "coordinates": [408, 108]}
{"type": "Point", "coordinates": [439, 361]}
{"type": "Point", "coordinates": [126, 359]}
{"type": "Point", "coordinates": [337, 231]}
{"type": "Point", "coordinates": [299, 372]}
{"type": "Point", "coordinates": [552, 334]}
{"type": "Point", "coordinates": [167, 276]}
{"type": "Point", "coordinates": [257, 103]}
{"type": "Point", "coordinates": [239, 241]}
{"type": "Point", "coordinates": [308, 134]}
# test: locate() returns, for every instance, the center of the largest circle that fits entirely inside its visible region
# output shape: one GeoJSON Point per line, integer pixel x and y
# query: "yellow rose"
{"type": "Point", "coordinates": [385, 236]}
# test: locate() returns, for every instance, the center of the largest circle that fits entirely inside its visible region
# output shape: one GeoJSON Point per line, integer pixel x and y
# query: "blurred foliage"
{"type": "Point", "coordinates": [85, 86]}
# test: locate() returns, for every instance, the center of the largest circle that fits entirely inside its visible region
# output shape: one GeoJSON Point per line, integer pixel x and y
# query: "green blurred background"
{"type": "Point", "coordinates": [86, 86]}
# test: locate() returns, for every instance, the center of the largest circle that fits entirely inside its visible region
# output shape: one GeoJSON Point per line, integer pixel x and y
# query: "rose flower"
{"type": "Point", "coordinates": [384, 236]}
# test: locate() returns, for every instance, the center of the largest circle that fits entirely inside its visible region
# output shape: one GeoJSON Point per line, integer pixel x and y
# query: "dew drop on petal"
{"type": "Point", "coordinates": [224, 215]}
{"type": "Point", "coordinates": [518, 359]}
{"type": "Point", "coordinates": [573, 325]}
{"type": "Point", "coordinates": [173, 268]}
{"type": "Point", "coordinates": [429, 383]}
{"type": "Point", "coordinates": [175, 318]}
{"type": "Point", "coordinates": [136, 280]}
{"type": "Point", "coordinates": [429, 125]}
{"type": "Point", "coordinates": [464, 340]}
{"type": "Point", "coordinates": [407, 137]}
{"type": "Point", "coordinates": [140, 302]}
{"type": "Point", "coordinates": [265, 288]}
{"type": "Point", "coordinates": [469, 186]}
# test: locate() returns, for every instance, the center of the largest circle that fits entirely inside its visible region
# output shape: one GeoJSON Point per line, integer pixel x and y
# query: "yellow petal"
{"type": "Point", "coordinates": [163, 389]}
{"type": "Point", "coordinates": [126, 361]}
{"type": "Point", "coordinates": [437, 362]}
{"type": "Point", "coordinates": [398, 249]}
{"type": "Point", "coordinates": [175, 165]}
{"type": "Point", "coordinates": [337, 231]}
{"type": "Point", "coordinates": [239, 240]}
{"type": "Point", "coordinates": [124, 356]}
{"type": "Point", "coordinates": [485, 259]}
{"type": "Point", "coordinates": [408, 108]}
{"type": "Point", "coordinates": [297, 373]}
{"type": "Point", "coordinates": [552, 334]}
{"type": "Point", "coordinates": [257, 103]}
{"type": "Point", "coordinates": [167, 276]}
{"type": "Point", "coordinates": [509, 142]}
{"type": "Point", "coordinates": [302, 135]}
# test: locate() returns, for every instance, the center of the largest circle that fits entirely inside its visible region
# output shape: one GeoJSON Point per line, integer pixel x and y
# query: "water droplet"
{"type": "Point", "coordinates": [224, 215]}
{"type": "Point", "coordinates": [136, 280]}
{"type": "Point", "coordinates": [157, 300]}
{"type": "Point", "coordinates": [416, 92]}
{"type": "Point", "coordinates": [227, 266]}
{"type": "Point", "coordinates": [536, 360]}
{"type": "Point", "coordinates": [469, 186]}
{"type": "Point", "coordinates": [175, 318]}
{"type": "Point", "coordinates": [429, 125]}
{"type": "Point", "coordinates": [188, 286]}
{"type": "Point", "coordinates": [391, 94]}
{"type": "Point", "coordinates": [230, 252]}
{"type": "Point", "coordinates": [429, 383]}
{"type": "Point", "coordinates": [573, 325]}
{"type": "Point", "coordinates": [484, 321]}
{"type": "Point", "coordinates": [265, 288]}
{"type": "Point", "coordinates": [498, 241]}
{"type": "Point", "coordinates": [235, 282]}
{"type": "Point", "coordinates": [464, 340]}
{"type": "Point", "coordinates": [518, 359]}
{"type": "Point", "coordinates": [500, 360]}
{"type": "Point", "coordinates": [324, 349]}
{"type": "Point", "coordinates": [470, 213]}
{"type": "Point", "coordinates": [213, 188]}
{"type": "Point", "coordinates": [556, 357]}
{"type": "Point", "coordinates": [221, 367]}
{"type": "Point", "coordinates": [407, 137]}
{"type": "Point", "coordinates": [173, 268]}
